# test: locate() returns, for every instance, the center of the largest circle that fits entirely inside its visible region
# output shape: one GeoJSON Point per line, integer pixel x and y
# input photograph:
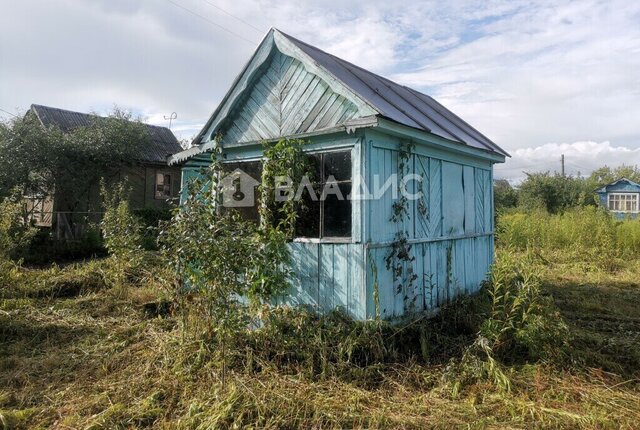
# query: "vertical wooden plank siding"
{"type": "Point", "coordinates": [451, 242]}
{"type": "Point", "coordinates": [328, 276]}
{"type": "Point", "coordinates": [453, 203]}
{"type": "Point", "coordinates": [469, 186]}
{"type": "Point", "coordinates": [440, 281]}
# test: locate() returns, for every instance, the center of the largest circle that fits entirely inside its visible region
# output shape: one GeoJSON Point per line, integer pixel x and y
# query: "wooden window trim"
{"type": "Point", "coordinates": [623, 198]}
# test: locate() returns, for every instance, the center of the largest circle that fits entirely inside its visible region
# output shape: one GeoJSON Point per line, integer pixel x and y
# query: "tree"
{"type": "Point", "coordinates": [555, 193]}
{"type": "Point", "coordinates": [42, 160]}
{"type": "Point", "coordinates": [606, 175]}
{"type": "Point", "coordinates": [504, 195]}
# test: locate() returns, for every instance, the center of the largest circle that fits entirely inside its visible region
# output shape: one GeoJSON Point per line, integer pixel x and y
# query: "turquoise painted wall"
{"type": "Point", "coordinates": [452, 243]}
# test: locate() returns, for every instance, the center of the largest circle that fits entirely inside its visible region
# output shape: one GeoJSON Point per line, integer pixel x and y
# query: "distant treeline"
{"type": "Point", "coordinates": [556, 193]}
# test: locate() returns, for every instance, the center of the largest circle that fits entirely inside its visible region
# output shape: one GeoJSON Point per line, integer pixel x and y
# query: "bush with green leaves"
{"type": "Point", "coordinates": [14, 236]}
{"type": "Point", "coordinates": [229, 265]}
{"type": "Point", "coordinates": [14, 232]}
{"type": "Point", "coordinates": [521, 325]}
{"type": "Point", "coordinates": [121, 229]}
{"type": "Point", "coordinates": [523, 322]}
{"type": "Point", "coordinates": [284, 159]}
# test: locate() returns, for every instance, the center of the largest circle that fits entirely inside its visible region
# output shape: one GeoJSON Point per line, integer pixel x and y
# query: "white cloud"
{"type": "Point", "coordinates": [580, 158]}
{"type": "Point", "coordinates": [524, 73]}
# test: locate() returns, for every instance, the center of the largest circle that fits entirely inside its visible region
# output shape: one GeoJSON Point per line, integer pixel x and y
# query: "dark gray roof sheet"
{"type": "Point", "coordinates": [163, 142]}
{"type": "Point", "coordinates": [399, 103]}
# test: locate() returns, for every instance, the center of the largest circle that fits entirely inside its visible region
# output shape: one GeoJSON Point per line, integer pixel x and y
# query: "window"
{"type": "Point", "coordinates": [244, 185]}
{"type": "Point", "coordinates": [163, 185]}
{"type": "Point", "coordinates": [623, 202]}
{"type": "Point", "coordinates": [328, 215]}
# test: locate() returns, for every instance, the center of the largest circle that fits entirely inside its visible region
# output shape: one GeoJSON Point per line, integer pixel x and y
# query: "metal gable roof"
{"type": "Point", "coordinates": [397, 102]}
{"type": "Point", "coordinates": [605, 188]}
{"type": "Point", "coordinates": [373, 94]}
{"type": "Point", "coordinates": [163, 142]}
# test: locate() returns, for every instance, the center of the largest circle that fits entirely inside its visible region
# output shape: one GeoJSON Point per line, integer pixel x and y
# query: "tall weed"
{"type": "Point", "coordinates": [122, 232]}
{"type": "Point", "coordinates": [522, 325]}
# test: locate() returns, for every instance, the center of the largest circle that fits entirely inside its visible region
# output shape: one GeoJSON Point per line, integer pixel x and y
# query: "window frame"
{"type": "Point", "coordinates": [164, 172]}
{"type": "Point", "coordinates": [227, 170]}
{"type": "Point", "coordinates": [314, 152]}
{"type": "Point", "coordinates": [634, 198]}
{"type": "Point", "coordinates": [323, 182]}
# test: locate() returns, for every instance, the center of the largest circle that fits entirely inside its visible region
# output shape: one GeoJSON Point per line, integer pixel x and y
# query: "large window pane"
{"type": "Point", "coordinates": [338, 165]}
{"type": "Point", "coordinates": [308, 223]}
{"type": "Point", "coordinates": [337, 213]}
{"type": "Point", "coordinates": [330, 216]}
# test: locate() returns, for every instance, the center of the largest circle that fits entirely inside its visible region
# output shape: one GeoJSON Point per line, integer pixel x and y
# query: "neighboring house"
{"type": "Point", "coordinates": [153, 183]}
{"type": "Point", "coordinates": [356, 124]}
{"type": "Point", "coordinates": [621, 197]}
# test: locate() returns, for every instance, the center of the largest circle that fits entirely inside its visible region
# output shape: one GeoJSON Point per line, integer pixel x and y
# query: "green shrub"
{"type": "Point", "coordinates": [122, 231]}
{"type": "Point", "coordinates": [14, 232]}
{"type": "Point", "coordinates": [523, 323]}
{"type": "Point", "coordinates": [45, 249]}
{"type": "Point", "coordinates": [151, 220]}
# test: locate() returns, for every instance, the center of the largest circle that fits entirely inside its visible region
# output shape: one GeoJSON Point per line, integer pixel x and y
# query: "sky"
{"type": "Point", "coordinates": [540, 79]}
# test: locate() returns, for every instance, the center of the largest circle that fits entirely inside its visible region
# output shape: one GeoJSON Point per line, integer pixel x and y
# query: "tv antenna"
{"type": "Point", "coordinates": [171, 118]}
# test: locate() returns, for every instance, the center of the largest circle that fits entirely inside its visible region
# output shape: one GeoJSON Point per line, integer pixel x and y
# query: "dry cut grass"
{"type": "Point", "coordinates": [87, 357]}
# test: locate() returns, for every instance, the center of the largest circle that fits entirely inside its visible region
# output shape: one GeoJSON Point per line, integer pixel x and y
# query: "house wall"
{"type": "Point", "coordinates": [451, 244]}
{"type": "Point", "coordinates": [326, 274]}
{"type": "Point", "coordinates": [621, 187]}
{"type": "Point", "coordinates": [141, 179]}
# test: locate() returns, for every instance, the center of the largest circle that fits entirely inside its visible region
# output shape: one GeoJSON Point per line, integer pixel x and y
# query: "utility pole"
{"type": "Point", "coordinates": [562, 163]}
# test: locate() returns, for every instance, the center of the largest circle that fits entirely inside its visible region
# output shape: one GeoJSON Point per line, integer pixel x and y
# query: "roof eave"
{"type": "Point", "coordinates": [401, 130]}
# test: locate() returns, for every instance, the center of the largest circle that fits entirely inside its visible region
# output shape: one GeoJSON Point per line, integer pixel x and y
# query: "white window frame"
{"type": "Point", "coordinates": [622, 199]}
{"type": "Point", "coordinates": [156, 194]}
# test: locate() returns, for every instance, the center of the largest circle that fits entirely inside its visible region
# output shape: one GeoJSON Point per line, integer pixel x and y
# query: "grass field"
{"type": "Point", "coordinates": [76, 353]}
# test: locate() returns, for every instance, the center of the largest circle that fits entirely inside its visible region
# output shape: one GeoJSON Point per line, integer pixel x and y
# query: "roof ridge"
{"type": "Point", "coordinates": [35, 105]}
{"type": "Point", "coordinates": [340, 59]}
{"type": "Point", "coordinates": [377, 75]}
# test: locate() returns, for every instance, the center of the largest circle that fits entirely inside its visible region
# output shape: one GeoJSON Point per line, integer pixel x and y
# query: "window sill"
{"type": "Point", "coordinates": [327, 240]}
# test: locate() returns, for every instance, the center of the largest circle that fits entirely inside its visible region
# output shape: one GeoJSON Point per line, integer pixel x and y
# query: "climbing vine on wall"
{"type": "Point", "coordinates": [399, 258]}
{"type": "Point", "coordinates": [285, 166]}
{"type": "Point", "coordinates": [230, 265]}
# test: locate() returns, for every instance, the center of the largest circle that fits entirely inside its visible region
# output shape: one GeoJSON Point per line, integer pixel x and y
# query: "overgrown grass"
{"type": "Point", "coordinates": [85, 357]}
{"type": "Point", "coordinates": [585, 234]}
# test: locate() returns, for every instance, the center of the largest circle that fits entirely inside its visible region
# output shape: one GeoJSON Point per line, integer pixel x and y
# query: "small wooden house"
{"type": "Point", "coordinates": [621, 198]}
{"type": "Point", "coordinates": [362, 129]}
{"type": "Point", "coordinates": [153, 183]}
